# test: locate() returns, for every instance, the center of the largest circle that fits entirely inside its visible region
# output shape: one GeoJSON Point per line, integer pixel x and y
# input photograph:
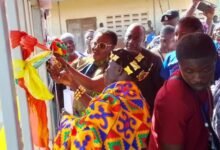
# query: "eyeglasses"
{"type": "Point", "coordinates": [100, 45]}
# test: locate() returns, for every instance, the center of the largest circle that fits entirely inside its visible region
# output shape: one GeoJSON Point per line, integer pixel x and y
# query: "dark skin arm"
{"type": "Point", "coordinates": [208, 14]}
{"type": "Point", "coordinates": [65, 77]}
{"type": "Point", "coordinates": [85, 99]}
{"type": "Point", "coordinates": [95, 84]}
{"type": "Point", "coordinates": [192, 8]}
{"type": "Point", "coordinates": [209, 19]}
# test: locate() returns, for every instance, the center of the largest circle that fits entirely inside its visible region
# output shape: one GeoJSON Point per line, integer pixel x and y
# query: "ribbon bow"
{"type": "Point", "coordinates": [27, 43]}
{"type": "Point", "coordinates": [26, 69]}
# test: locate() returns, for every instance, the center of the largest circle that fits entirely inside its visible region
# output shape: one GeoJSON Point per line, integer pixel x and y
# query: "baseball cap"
{"type": "Point", "coordinates": [170, 14]}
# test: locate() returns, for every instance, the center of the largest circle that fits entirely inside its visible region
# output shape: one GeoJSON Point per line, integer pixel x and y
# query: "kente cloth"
{"type": "Point", "coordinates": [118, 118]}
{"type": "Point", "coordinates": [88, 67]}
{"type": "Point", "coordinates": [92, 69]}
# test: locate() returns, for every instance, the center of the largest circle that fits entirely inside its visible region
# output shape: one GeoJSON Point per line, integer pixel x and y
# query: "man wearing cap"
{"type": "Point", "coordinates": [119, 117]}
{"type": "Point", "coordinates": [170, 17]}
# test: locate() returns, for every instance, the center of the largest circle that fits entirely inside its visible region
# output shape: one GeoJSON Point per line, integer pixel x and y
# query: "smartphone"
{"type": "Point", "coordinates": [205, 6]}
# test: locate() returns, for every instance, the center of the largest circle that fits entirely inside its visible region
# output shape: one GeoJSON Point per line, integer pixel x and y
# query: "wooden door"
{"type": "Point", "coordinates": [78, 27]}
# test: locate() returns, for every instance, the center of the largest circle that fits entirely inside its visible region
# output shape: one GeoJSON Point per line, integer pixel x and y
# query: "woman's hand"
{"type": "Point", "coordinates": [58, 73]}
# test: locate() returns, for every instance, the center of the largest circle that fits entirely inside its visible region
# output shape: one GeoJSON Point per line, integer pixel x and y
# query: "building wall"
{"type": "Point", "coordinates": [75, 9]}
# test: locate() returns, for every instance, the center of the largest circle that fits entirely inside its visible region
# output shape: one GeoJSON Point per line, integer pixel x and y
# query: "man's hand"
{"type": "Point", "coordinates": [196, 1]}
{"type": "Point", "coordinates": [190, 11]}
{"type": "Point", "coordinates": [209, 13]}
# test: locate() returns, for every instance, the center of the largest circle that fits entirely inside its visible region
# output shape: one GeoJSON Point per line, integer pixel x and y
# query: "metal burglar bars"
{"type": "Point", "coordinates": [8, 96]}
{"type": "Point", "coordinates": [15, 11]}
{"type": "Point", "coordinates": [15, 140]}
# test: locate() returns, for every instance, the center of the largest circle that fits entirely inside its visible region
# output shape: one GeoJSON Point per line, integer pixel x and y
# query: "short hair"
{"type": "Point", "coordinates": [194, 46]}
{"type": "Point", "coordinates": [68, 35]}
{"type": "Point", "coordinates": [88, 32]}
{"type": "Point", "coordinates": [167, 29]}
{"type": "Point", "coordinates": [137, 25]}
{"type": "Point", "coordinates": [191, 23]}
{"type": "Point", "coordinates": [109, 33]}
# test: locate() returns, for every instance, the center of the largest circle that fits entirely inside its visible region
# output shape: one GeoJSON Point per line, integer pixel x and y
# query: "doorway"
{"type": "Point", "coordinates": [78, 27]}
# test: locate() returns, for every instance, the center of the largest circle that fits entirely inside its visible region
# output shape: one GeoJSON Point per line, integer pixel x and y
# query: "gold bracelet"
{"type": "Point", "coordinates": [82, 89]}
{"type": "Point", "coordinates": [79, 92]}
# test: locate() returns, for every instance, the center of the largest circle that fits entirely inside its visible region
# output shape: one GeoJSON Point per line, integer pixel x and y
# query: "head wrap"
{"type": "Point", "coordinates": [132, 63]}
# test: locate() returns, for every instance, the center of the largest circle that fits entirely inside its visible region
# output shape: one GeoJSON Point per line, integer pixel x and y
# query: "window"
{"type": "Point", "coordinates": [119, 23]}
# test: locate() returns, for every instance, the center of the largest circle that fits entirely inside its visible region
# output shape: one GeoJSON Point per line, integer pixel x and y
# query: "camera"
{"type": "Point", "coordinates": [205, 6]}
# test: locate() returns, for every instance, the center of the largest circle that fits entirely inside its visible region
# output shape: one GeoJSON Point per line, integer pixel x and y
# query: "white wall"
{"type": "Point", "coordinates": [74, 9]}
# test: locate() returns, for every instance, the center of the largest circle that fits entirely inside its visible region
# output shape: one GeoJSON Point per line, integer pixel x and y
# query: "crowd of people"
{"type": "Point", "coordinates": [163, 95]}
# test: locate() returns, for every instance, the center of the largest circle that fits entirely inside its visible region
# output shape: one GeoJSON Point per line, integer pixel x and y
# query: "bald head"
{"type": "Point", "coordinates": [137, 28]}
{"type": "Point", "coordinates": [134, 37]}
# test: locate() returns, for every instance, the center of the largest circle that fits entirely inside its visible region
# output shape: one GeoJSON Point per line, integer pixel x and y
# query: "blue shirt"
{"type": "Point", "coordinates": [170, 65]}
{"type": "Point", "coordinates": [217, 44]}
{"type": "Point", "coordinates": [149, 37]}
